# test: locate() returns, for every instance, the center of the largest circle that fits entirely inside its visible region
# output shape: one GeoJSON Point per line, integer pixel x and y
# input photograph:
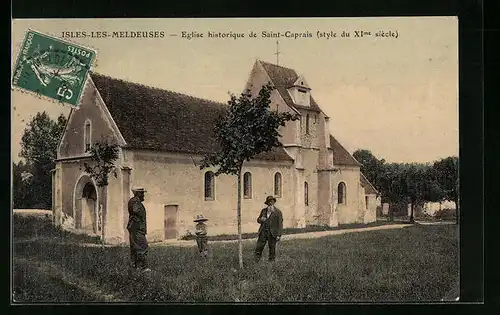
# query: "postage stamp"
{"type": "Point", "coordinates": [52, 67]}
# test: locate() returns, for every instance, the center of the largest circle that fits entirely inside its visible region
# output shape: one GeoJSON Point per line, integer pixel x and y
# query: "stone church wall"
{"type": "Point", "coordinates": [172, 179]}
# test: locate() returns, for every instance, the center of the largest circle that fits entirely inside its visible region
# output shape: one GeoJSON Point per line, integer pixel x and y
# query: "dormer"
{"type": "Point", "coordinates": [300, 92]}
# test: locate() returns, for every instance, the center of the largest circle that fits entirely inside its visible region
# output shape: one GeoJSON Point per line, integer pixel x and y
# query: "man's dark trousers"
{"type": "Point", "coordinates": [138, 249]}
{"type": "Point", "coordinates": [266, 236]}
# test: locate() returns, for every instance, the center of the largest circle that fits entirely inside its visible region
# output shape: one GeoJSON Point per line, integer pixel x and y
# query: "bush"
{"type": "Point", "coordinates": [445, 214]}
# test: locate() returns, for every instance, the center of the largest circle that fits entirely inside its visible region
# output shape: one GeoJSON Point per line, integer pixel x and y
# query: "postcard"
{"type": "Point", "coordinates": [250, 160]}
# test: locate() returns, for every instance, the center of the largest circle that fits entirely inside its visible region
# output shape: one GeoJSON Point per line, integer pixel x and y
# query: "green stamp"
{"type": "Point", "coordinates": [52, 67]}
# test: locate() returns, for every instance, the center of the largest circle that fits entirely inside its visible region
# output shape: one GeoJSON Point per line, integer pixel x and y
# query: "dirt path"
{"type": "Point", "coordinates": [288, 237]}
{"type": "Point", "coordinates": [191, 243]}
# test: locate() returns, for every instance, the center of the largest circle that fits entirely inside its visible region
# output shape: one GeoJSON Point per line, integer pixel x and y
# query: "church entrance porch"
{"type": "Point", "coordinates": [85, 206]}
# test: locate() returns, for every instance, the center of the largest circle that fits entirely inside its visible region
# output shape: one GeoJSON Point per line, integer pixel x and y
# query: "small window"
{"type": "Point", "coordinates": [247, 185]}
{"type": "Point", "coordinates": [209, 186]}
{"type": "Point", "coordinates": [306, 193]}
{"type": "Point", "coordinates": [366, 202]}
{"type": "Point", "coordinates": [341, 191]}
{"type": "Point", "coordinates": [302, 91]}
{"type": "Point", "coordinates": [307, 124]}
{"type": "Point", "coordinates": [277, 185]}
{"type": "Point", "coordinates": [315, 119]}
{"type": "Point", "coordinates": [87, 135]}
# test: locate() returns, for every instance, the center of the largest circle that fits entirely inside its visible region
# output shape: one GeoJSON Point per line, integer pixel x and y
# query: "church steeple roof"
{"type": "Point", "coordinates": [283, 78]}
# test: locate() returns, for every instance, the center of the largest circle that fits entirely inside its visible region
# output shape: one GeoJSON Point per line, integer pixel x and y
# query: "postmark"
{"type": "Point", "coordinates": [52, 67]}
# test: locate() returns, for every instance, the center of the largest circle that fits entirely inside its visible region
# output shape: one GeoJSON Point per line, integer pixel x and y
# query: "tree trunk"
{"type": "Point", "coordinates": [412, 209]}
{"type": "Point", "coordinates": [240, 244]}
{"type": "Point", "coordinates": [100, 204]}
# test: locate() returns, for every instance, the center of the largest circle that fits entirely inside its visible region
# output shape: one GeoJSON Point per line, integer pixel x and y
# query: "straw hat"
{"type": "Point", "coordinates": [200, 218]}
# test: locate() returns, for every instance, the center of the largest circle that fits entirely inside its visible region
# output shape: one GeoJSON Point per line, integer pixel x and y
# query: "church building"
{"type": "Point", "coordinates": [162, 137]}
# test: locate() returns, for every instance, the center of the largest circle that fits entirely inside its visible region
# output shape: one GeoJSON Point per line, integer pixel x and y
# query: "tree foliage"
{"type": "Point", "coordinates": [371, 167]}
{"type": "Point", "coordinates": [39, 149]}
{"type": "Point", "coordinates": [446, 173]}
{"type": "Point", "coordinates": [22, 179]}
{"type": "Point", "coordinates": [411, 183]}
{"type": "Point", "coordinates": [103, 156]}
{"type": "Point", "coordinates": [247, 129]}
{"type": "Point", "coordinates": [40, 140]}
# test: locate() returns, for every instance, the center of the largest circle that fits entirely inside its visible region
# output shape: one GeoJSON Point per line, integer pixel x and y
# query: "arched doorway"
{"type": "Point", "coordinates": [85, 206]}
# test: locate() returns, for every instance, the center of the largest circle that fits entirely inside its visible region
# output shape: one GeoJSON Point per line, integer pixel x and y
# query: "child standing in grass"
{"type": "Point", "coordinates": [201, 235]}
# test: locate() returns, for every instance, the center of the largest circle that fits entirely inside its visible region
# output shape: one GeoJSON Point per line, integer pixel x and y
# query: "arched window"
{"type": "Point", "coordinates": [366, 201]}
{"type": "Point", "coordinates": [87, 135]}
{"type": "Point", "coordinates": [341, 192]}
{"type": "Point", "coordinates": [247, 185]}
{"type": "Point", "coordinates": [209, 185]}
{"type": "Point", "coordinates": [306, 193]}
{"type": "Point", "coordinates": [307, 124]}
{"type": "Point", "coordinates": [277, 185]}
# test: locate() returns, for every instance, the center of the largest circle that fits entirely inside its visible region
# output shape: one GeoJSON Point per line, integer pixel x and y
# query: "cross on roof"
{"type": "Point", "coordinates": [277, 53]}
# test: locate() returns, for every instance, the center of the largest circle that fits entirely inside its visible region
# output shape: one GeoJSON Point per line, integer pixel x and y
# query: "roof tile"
{"type": "Point", "coordinates": [369, 189]}
{"type": "Point", "coordinates": [157, 119]}
{"type": "Point", "coordinates": [284, 78]}
{"type": "Point", "coordinates": [340, 155]}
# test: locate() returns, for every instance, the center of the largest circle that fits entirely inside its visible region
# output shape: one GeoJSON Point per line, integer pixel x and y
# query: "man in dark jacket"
{"type": "Point", "coordinates": [271, 227]}
{"type": "Point", "coordinates": [137, 229]}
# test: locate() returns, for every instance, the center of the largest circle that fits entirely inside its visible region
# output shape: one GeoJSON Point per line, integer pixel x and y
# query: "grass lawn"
{"type": "Point", "coordinates": [417, 263]}
{"type": "Point", "coordinates": [31, 285]}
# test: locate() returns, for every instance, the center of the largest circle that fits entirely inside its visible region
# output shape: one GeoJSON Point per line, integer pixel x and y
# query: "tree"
{"type": "Point", "coordinates": [371, 167]}
{"type": "Point", "coordinates": [417, 181]}
{"type": "Point", "coordinates": [446, 173]}
{"type": "Point", "coordinates": [39, 149]}
{"type": "Point", "coordinates": [103, 157]}
{"type": "Point", "coordinates": [433, 191]}
{"type": "Point", "coordinates": [21, 184]}
{"type": "Point", "coordinates": [393, 185]}
{"type": "Point", "coordinates": [248, 128]}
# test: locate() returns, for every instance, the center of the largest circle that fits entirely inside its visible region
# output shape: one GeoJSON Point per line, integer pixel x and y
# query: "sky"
{"type": "Point", "coordinates": [395, 96]}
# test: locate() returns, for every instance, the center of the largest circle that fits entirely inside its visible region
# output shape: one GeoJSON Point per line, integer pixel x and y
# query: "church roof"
{"type": "Point", "coordinates": [157, 119]}
{"type": "Point", "coordinates": [340, 155]}
{"type": "Point", "coordinates": [369, 189]}
{"type": "Point", "coordinates": [284, 78]}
